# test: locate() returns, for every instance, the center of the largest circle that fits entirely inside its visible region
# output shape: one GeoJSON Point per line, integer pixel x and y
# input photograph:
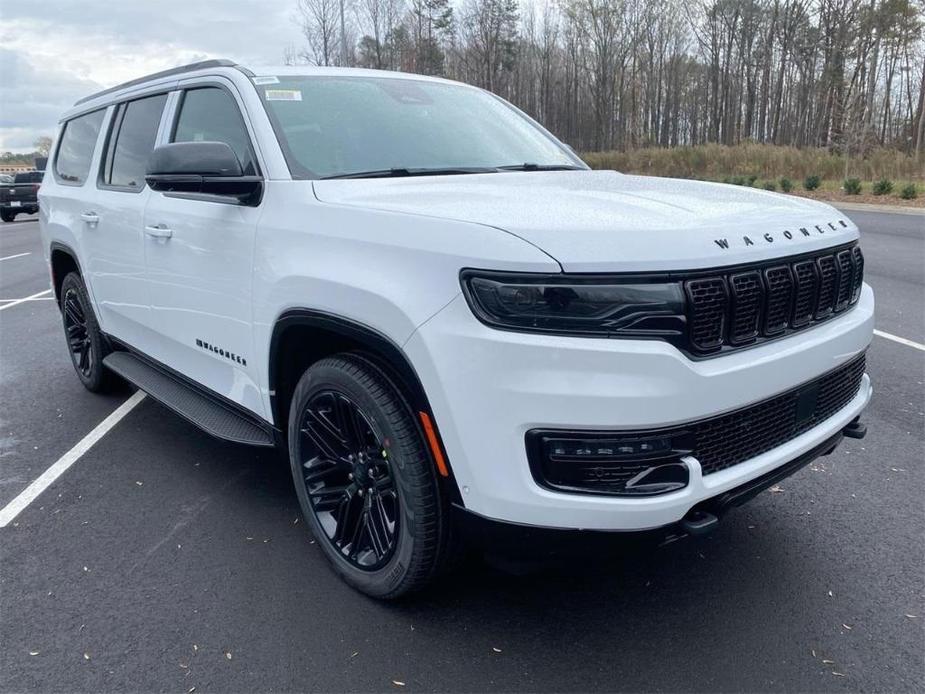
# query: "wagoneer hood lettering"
{"type": "Point", "coordinates": [600, 221]}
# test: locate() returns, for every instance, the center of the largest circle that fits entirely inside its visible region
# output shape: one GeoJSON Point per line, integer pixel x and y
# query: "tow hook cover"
{"type": "Point", "coordinates": [699, 522]}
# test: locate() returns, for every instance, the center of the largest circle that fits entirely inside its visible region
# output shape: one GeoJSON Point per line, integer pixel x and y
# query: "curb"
{"type": "Point", "coordinates": [868, 207]}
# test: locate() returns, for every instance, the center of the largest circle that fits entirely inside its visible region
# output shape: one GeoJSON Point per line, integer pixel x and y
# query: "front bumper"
{"type": "Point", "coordinates": [514, 541]}
{"type": "Point", "coordinates": [489, 387]}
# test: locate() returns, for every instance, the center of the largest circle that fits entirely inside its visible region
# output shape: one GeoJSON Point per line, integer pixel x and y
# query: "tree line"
{"type": "Point", "coordinates": [623, 74]}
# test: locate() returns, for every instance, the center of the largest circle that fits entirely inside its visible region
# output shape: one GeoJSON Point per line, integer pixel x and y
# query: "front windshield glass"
{"type": "Point", "coordinates": [342, 125]}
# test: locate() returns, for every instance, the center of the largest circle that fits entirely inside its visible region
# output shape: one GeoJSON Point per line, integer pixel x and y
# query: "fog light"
{"type": "Point", "coordinates": [604, 448]}
{"type": "Point", "coordinates": [623, 465]}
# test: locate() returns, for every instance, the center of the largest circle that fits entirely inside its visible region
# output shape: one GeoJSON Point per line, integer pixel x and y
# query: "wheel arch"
{"type": "Point", "coordinates": [303, 336]}
{"type": "Point", "coordinates": [63, 260]}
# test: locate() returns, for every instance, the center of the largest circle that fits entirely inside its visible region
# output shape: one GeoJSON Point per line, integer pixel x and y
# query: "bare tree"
{"type": "Point", "coordinates": [324, 26]}
{"type": "Point", "coordinates": [604, 74]}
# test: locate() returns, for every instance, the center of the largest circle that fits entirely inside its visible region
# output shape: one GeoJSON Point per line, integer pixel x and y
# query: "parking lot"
{"type": "Point", "coordinates": [165, 560]}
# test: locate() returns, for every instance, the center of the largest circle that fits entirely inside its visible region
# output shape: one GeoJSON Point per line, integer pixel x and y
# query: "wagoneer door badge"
{"type": "Point", "coordinates": [787, 235]}
{"type": "Point", "coordinates": [237, 358]}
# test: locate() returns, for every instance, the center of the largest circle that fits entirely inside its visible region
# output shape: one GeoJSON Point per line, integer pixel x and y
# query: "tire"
{"type": "Point", "coordinates": [7, 215]}
{"type": "Point", "coordinates": [347, 501]}
{"type": "Point", "coordinates": [85, 341]}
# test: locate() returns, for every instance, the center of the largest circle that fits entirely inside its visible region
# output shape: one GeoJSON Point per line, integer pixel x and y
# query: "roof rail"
{"type": "Point", "coordinates": [202, 64]}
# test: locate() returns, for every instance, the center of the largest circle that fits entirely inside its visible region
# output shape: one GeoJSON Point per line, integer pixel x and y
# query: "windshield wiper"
{"type": "Point", "coordinates": [402, 172]}
{"type": "Point", "coordinates": [528, 166]}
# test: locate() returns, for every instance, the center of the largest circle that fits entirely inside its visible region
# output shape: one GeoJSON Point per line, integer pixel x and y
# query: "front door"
{"type": "Point", "coordinates": [199, 255]}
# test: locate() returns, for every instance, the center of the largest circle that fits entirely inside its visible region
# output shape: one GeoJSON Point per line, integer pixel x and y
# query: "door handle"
{"type": "Point", "coordinates": [90, 217]}
{"type": "Point", "coordinates": [159, 231]}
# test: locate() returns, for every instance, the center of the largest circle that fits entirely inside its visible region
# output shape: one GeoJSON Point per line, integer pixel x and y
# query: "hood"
{"type": "Point", "coordinates": [603, 221]}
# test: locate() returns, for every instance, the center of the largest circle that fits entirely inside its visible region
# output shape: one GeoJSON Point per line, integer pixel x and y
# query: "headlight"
{"type": "Point", "coordinates": [632, 306]}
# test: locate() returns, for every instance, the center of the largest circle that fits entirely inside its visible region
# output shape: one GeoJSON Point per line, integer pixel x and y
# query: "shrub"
{"type": "Point", "coordinates": [812, 182]}
{"type": "Point", "coordinates": [852, 186]}
{"type": "Point", "coordinates": [909, 192]}
{"type": "Point", "coordinates": [770, 185]}
{"type": "Point", "coordinates": [751, 179]}
{"type": "Point", "coordinates": [786, 184]}
{"type": "Point", "coordinates": [714, 161]}
{"type": "Point", "coordinates": [883, 187]}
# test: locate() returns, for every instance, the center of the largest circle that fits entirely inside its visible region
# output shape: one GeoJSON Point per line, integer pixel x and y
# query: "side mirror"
{"type": "Point", "coordinates": [201, 168]}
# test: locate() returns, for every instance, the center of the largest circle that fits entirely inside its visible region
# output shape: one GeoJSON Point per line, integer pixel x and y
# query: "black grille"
{"type": "Point", "coordinates": [857, 279]}
{"type": "Point", "coordinates": [779, 282]}
{"type": "Point", "coordinates": [746, 304]}
{"type": "Point", "coordinates": [708, 324]}
{"type": "Point", "coordinates": [738, 436]}
{"type": "Point", "coordinates": [828, 283]}
{"type": "Point", "coordinates": [845, 270]}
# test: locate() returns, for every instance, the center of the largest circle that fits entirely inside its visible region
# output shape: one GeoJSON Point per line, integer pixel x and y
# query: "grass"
{"type": "Point", "coordinates": [766, 165]}
{"type": "Point", "coordinates": [714, 162]}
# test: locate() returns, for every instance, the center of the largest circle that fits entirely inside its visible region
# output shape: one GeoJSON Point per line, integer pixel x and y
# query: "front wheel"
{"type": "Point", "coordinates": [7, 215]}
{"type": "Point", "coordinates": [365, 482]}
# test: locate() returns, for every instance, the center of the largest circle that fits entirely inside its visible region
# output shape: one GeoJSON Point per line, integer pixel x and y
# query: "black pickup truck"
{"type": "Point", "coordinates": [20, 197]}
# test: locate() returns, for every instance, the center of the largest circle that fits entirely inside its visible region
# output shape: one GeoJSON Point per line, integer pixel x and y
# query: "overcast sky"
{"type": "Point", "coordinates": [53, 52]}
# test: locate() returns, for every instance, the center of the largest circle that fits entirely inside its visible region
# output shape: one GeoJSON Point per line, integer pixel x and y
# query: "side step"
{"type": "Point", "coordinates": [203, 410]}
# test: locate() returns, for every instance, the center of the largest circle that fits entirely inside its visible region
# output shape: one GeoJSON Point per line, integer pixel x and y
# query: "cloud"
{"type": "Point", "coordinates": [53, 52]}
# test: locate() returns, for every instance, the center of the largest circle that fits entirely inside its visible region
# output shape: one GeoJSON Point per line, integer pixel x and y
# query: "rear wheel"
{"type": "Point", "coordinates": [85, 341]}
{"type": "Point", "coordinates": [7, 215]}
{"type": "Point", "coordinates": [364, 480]}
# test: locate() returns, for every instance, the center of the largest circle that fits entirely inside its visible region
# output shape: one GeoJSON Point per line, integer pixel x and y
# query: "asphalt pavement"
{"type": "Point", "coordinates": [164, 560]}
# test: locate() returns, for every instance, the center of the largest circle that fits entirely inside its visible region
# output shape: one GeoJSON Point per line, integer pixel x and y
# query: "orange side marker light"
{"type": "Point", "coordinates": [434, 444]}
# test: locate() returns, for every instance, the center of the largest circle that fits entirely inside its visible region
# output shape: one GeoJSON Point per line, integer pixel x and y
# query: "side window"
{"type": "Point", "coordinates": [72, 162]}
{"type": "Point", "coordinates": [210, 114]}
{"type": "Point", "coordinates": [131, 142]}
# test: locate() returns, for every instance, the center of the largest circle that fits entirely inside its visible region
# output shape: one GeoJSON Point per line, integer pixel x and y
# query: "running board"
{"type": "Point", "coordinates": [198, 407]}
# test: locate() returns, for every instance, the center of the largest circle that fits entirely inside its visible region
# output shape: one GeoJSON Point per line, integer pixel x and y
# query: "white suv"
{"type": "Point", "coordinates": [455, 328]}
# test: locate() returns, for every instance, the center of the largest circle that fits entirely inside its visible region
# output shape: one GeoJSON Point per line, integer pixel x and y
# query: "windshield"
{"type": "Point", "coordinates": [333, 126]}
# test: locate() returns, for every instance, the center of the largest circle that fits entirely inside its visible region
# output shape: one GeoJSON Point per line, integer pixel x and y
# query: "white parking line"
{"type": "Point", "coordinates": [18, 255]}
{"type": "Point", "coordinates": [16, 302]}
{"type": "Point", "coordinates": [30, 493]}
{"type": "Point", "coordinates": [38, 298]}
{"type": "Point", "coordinates": [900, 340]}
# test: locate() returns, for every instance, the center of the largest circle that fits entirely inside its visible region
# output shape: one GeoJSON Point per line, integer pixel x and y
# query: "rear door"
{"type": "Point", "coordinates": [69, 187]}
{"type": "Point", "coordinates": [114, 222]}
{"type": "Point", "coordinates": [200, 253]}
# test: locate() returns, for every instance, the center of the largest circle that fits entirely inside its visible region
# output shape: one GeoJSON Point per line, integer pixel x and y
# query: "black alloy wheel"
{"type": "Point", "coordinates": [348, 480]}
{"type": "Point", "coordinates": [367, 486]}
{"type": "Point", "coordinates": [85, 342]}
{"type": "Point", "coordinates": [78, 336]}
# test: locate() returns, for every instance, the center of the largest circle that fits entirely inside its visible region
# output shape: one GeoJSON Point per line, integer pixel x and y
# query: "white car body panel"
{"type": "Point", "coordinates": [488, 388]}
{"type": "Point", "coordinates": [603, 221]}
{"type": "Point", "coordinates": [387, 254]}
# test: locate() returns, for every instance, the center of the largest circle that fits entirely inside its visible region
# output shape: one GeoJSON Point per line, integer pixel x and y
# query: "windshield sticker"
{"type": "Point", "coordinates": [283, 95]}
{"type": "Point", "coordinates": [265, 80]}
